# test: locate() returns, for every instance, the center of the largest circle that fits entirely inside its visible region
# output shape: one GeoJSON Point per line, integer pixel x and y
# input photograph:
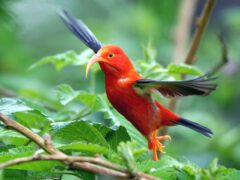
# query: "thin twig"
{"type": "Point", "coordinates": [69, 159]}
{"type": "Point", "coordinates": [225, 58]}
{"type": "Point", "coordinates": [85, 164]}
{"type": "Point", "coordinates": [92, 164]}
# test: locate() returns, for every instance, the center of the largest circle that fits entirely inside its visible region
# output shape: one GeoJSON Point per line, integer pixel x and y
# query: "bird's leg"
{"type": "Point", "coordinates": [155, 144]}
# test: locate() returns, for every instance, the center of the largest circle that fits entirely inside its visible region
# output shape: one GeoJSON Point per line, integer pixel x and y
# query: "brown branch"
{"type": "Point", "coordinates": [29, 134]}
{"type": "Point", "coordinates": [201, 25]}
{"type": "Point", "coordinates": [75, 159]}
{"type": "Point", "coordinates": [92, 164]}
{"type": "Point", "coordinates": [70, 160]}
{"type": "Point", "coordinates": [100, 170]}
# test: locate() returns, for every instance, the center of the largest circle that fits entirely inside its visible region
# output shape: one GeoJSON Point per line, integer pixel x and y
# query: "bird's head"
{"type": "Point", "coordinates": [112, 60]}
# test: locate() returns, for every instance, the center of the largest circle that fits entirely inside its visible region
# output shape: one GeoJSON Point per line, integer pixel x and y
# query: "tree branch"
{"type": "Point", "coordinates": [92, 164]}
{"type": "Point", "coordinates": [70, 160]}
{"type": "Point", "coordinates": [29, 134]}
{"type": "Point", "coordinates": [201, 25]}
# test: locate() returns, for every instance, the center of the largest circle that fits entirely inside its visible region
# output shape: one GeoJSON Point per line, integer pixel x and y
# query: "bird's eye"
{"type": "Point", "coordinates": [110, 55]}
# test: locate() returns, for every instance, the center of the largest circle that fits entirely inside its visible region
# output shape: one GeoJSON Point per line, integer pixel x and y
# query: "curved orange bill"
{"type": "Point", "coordinates": [93, 60]}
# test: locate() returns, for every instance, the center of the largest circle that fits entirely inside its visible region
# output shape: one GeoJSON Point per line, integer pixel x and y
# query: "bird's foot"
{"type": "Point", "coordinates": [156, 145]}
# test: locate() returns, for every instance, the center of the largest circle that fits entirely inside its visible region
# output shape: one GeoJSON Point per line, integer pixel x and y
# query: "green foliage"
{"type": "Point", "coordinates": [183, 69]}
{"type": "Point", "coordinates": [127, 155]}
{"type": "Point", "coordinates": [83, 122]}
{"type": "Point", "coordinates": [77, 128]}
{"type": "Point", "coordinates": [9, 106]}
{"type": "Point", "coordinates": [169, 168]}
{"type": "Point", "coordinates": [150, 68]}
{"type": "Point", "coordinates": [12, 138]}
{"type": "Point", "coordinates": [84, 147]}
{"type": "Point", "coordinates": [84, 131]}
{"type": "Point", "coordinates": [65, 59]}
{"type": "Point", "coordinates": [22, 151]}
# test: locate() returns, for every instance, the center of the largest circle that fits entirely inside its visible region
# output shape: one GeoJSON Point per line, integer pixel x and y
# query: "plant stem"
{"type": "Point", "coordinates": [201, 24]}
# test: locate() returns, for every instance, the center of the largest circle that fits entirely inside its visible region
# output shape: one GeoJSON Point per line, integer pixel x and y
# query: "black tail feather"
{"type": "Point", "coordinates": [81, 31]}
{"type": "Point", "coordinates": [195, 126]}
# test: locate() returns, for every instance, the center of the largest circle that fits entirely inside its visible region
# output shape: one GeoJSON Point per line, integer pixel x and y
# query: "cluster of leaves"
{"type": "Point", "coordinates": [85, 137]}
{"type": "Point", "coordinates": [83, 123]}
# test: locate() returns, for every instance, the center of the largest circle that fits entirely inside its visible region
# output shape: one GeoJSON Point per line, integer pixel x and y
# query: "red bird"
{"type": "Point", "coordinates": [131, 95]}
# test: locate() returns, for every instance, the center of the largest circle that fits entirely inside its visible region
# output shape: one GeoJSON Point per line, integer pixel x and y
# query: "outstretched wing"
{"type": "Point", "coordinates": [81, 31]}
{"type": "Point", "coordinates": [199, 86]}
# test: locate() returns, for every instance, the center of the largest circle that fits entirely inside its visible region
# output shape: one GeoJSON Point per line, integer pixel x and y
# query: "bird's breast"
{"type": "Point", "coordinates": [137, 109]}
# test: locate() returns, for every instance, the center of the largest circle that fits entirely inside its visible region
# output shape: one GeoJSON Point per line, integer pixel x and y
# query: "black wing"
{"type": "Point", "coordinates": [199, 86]}
{"type": "Point", "coordinates": [81, 31]}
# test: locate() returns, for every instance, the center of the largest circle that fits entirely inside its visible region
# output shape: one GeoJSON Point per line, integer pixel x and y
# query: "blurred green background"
{"type": "Point", "coordinates": [31, 30]}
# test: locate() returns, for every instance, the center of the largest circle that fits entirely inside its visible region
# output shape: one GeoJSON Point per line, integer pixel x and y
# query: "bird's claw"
{"type": "Point", "coordinates": [160, 138]}
{"type": "Point", "coordinates": [157, 145]}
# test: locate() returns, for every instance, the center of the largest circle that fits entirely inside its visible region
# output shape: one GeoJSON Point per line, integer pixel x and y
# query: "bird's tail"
{"type": "Point", "coordinates": [195, 126]}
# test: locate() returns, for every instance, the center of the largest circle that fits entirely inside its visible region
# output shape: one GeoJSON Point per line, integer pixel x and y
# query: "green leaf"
{"type": "Point", "coordinates": [150, 52]}
{"type": "Point", "coordinates": [13, 174]}
{"type": "Point", "coordinates": [165, 168]}
{"type": "Point", "coordinates": [168, 173]}
{"type": "Point", "coordinates": [85, 175]}
{"type": "Point", "coordinates": [95, 102]}
{"type": "Point", "coordinates": [220, 172]}
{"type": "Point", "coordinates": [9, 106]}
{"type": "Point", "coordinates": [213, 165]}
{"type": "Point", "coordinates": [37, 107]}
{"type": "Point", "coordinates": [100, 103]}
{"type": "Point", "coordinates": [33, 119]}
{"type": "Point", "coordinates": [10, 137]}
{"type": "Point", "coordinates": [70, 177]}
{"type": "Point", "coordinates": [232, 174]}
{"type": "Point", "coordinates": [66, 94]}
{"type": "Point", "coordinates": [84, 147]}
{"type": "Point", "coordinates": [168, 168]}
{"type": "Point", "coordinates": [184, 69]}
{"type": "Point", "coordinates": [164, 162]}
{"type": "Point", "coordinates": [124, 149]}
{"type": "Point", "coordinates": [65, 59]}
{"type": "Point", "coordinates": [58, 60]}
{"type": "Point", "coordinates": [115, 137]}
{"type": "Point", "coordinates": [151, 70]}
{"type": "Point", "coordinates": [78, 131]}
